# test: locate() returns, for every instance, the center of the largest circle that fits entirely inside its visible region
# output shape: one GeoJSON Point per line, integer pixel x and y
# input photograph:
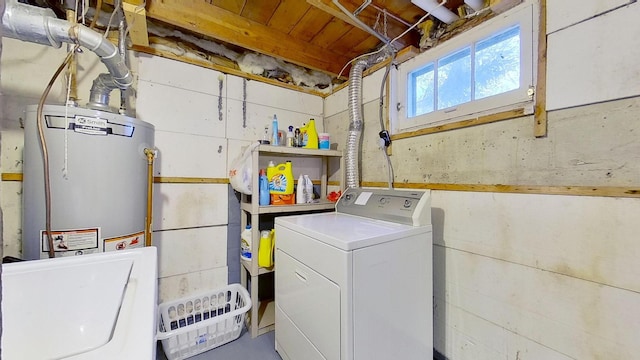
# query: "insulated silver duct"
{"type": "Point", "coordinates": [33, 24]}
{"type": "Point", "coordinates": [355, 118]}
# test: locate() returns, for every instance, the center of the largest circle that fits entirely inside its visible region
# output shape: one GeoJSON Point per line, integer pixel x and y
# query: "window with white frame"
{"type": "Point", "coordinates": [486, 69]}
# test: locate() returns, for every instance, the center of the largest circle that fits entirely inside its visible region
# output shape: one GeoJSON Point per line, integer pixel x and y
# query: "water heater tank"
{"type": "Point", "coordinates": [98, 177]}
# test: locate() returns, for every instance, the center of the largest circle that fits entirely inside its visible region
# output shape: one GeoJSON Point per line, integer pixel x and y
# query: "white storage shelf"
{"type": "Point", "coordinates": [263, 310]}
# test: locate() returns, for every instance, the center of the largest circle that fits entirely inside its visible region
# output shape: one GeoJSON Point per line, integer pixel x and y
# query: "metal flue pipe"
{"type": "Point", "coordinates": [39, 25]}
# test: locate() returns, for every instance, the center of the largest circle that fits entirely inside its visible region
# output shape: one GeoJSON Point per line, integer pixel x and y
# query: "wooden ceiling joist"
{"type": "Point", "coordinates": [214, 22]}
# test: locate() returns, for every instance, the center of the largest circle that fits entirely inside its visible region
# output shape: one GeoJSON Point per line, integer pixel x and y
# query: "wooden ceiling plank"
{"type": "Point", "coordinates": [235, 6]}
{"type": "Point", "coordinates": [260, 11]}
{"type": "Point", "coordinates": [327, 7]}
{"type": "Point", "coordinates": [333, 31]}
{"type": "Point", "coordinates": [208, 20]}
{"type": "Point", "coordinates": [288, 14]}
{"type": "Point", "coordinates": [312, 22]}
{"type": "Point", "coordinates": [349, 40]}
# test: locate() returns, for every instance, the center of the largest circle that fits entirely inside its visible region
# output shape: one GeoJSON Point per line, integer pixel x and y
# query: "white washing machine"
{"type": "Point", "coordinates": [356, 284]}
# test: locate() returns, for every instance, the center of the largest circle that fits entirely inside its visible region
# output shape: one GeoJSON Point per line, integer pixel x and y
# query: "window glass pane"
{"type": "Point", "coordinates": [454, 79]}
{"type": "Point", "coordinates": [421, 93]}
{"type": "Point", "coordinates": [497, 63]}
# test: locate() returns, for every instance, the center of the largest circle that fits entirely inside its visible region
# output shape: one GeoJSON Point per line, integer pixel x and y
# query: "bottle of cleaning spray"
{"type": "Point", "coordinates": [275, 139]}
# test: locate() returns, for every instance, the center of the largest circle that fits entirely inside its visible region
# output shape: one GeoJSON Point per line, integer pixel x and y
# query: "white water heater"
{"type": "Point", "coordinates": [98, 177]}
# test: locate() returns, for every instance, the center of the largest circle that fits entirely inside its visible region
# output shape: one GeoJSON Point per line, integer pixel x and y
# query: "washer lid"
{"type": "Point", "coordinates": [348, 232]}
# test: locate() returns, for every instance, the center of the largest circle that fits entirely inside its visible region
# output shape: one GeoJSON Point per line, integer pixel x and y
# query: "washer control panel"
{"type": "Point", "coordinates": [403, 207]}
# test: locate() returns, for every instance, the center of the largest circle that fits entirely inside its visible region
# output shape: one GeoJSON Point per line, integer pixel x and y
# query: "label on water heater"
{"type": "Point", "coordinates": [90, 126]}
{"type": "Point", "coordinates": [124, 242]}
{"type": "Point", "coordinates": [71, 242]}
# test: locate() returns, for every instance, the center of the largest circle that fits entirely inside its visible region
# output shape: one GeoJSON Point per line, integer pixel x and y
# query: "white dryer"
{"type": "Point", "coordinates": [356, 284]}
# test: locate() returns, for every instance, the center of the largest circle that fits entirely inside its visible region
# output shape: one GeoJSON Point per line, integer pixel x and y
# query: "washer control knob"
{"type": "Point", "coordinates": [407, 203]}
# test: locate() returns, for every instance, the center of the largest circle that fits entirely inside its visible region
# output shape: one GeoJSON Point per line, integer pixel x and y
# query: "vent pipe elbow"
{"type": "Point", "coordinates": [38, 25]}
{"type": "Point", "coordinates": [100, 92]}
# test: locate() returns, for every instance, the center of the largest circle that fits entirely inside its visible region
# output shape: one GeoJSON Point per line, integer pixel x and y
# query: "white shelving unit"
{"type": "Point", "coordinates": [264, 309]}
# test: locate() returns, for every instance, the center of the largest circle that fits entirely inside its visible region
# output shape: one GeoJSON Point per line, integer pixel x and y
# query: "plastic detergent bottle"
{"type": "Point", "coordinates": [275, 140]}
{"type": "Point", "coordinates": [300, 190]}
{"type": "Point", "coordinates": [265, 251]}
{"type": "Point", "coordinates": [245, 244]}
{"type": "Point", "coordinates": [308, 189]}
{"type": "Point", "coordinates": [263, 188]}
{"type": "Point", "coordinates": [311, 135]}
{"type": "Point", "coordinates": [281, 179]}
{"type": "Point", "coordinates": [271, 168]}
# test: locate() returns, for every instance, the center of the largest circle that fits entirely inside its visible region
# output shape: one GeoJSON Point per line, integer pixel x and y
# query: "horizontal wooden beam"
{"type": "Point", "coordinates": [478, 120]}
{"type": "Point", "coordinates": [224, 69]}
{"type": "Point", "coordinates": [11, 176]}
{"type": "Point", "coordinates": [606, 191]}
{"type": "Point", "coordinates": [188, 180]}
{"type": "Point", "coordinates": [206, 19]}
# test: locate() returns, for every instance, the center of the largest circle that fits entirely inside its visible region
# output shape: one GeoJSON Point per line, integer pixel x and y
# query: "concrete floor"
{"type": "Point", "coordinates": [244, 348]}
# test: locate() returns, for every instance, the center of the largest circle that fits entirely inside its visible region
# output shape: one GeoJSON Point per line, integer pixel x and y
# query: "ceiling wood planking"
{"type": "Point", "coordinates": [349, 40]}
{"type": "Point", "coordinates": [201, 17]}
{"type": "Point", "coordinates": [288, 14]}
{"type": "Point", "coordinates": [368, 16]}
{"type": "Point", "coordinates": [235, 6]}
{"type": "Point", "coordinates": [260, 11]}
{"type": "Point", "coordinates": [368, 45]}
{"type": "Point", "coordinates": [333, 31]}
{"type": "Point", "coordinates": [313, 21]}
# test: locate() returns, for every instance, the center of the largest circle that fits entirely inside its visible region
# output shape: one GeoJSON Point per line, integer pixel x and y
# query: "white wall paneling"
{"type": "Point", "coordinates": [258, 116]}
{"type": "Point", "coordinates": [190, 250]}
{"type": "Point", "coordinates": [178, 206]}
{"type": "Point", "coordinates": [564, 13]}
{"type": "Point", "coordinates": [204, 156]}
{"type": "Point", "coordinates": [181, 75]}
{"type": "Point", "coordinates": [178, 286]}
{"type": "Point", "coordinates": [179, 110]}
{"type": "Point", "coordinates": [556, 270]}
{"type": "Point", "coordinates": [336, 102]}
{"type": "Point", "coordinates": [595, 60]}
{"type": "Point", "coordinates": [275, 97]}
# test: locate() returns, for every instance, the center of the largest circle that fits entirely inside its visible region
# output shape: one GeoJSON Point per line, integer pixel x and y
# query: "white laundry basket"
{"type": "Point", "coordinates": [201, 322]}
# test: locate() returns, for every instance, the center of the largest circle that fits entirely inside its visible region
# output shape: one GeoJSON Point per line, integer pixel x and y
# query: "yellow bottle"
{"type": "Point", "coordinates": [280, 178]}
{"type": "Point", "coordinates": [310, 135]}
{"type": "Point", "coordinates": [265, 250]}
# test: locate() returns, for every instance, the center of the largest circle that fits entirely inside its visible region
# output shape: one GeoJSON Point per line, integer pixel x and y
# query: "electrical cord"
{"type": "Point", "coordinates": [385, 139]}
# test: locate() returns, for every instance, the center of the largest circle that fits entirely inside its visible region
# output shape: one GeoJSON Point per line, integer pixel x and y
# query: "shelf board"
{"type": "Point", "coordinates": [261, 270]}
{"type": "Point", "coordinates": [295, 151]}
{"type": "Point", "coordinates": [281, 209]}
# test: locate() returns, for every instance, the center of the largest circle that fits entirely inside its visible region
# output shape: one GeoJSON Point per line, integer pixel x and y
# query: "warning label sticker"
{"type": "Point", "coordinates": [124, 242]}
{"type": "Point", "coordinates": [72, 242]}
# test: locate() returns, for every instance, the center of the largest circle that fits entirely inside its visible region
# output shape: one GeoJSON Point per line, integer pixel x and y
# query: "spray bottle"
{"type": "Point", "coordinates": [275, 140]}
